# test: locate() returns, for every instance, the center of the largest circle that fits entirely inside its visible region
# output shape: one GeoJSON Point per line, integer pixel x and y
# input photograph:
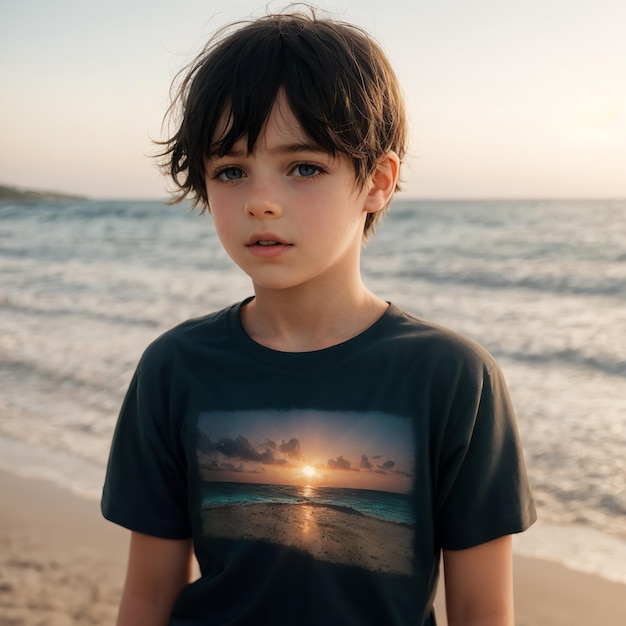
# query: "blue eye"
{"type": "Point", "coordinates": [306, 170]}
{"type": "Point", "coordinates": [230, 173]}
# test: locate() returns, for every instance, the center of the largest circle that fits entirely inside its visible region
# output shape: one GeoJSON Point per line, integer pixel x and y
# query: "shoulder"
{"type": "Point", "coordinates": [190, 339]}
{"type": "Point", "coordinates": [443, 366]}
{"type": "Point", "coordinates": [436, 344]}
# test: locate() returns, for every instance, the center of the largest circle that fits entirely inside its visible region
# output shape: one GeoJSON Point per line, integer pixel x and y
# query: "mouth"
{"type": "Point", "coordinates": [266, 240]}
{"type": "Point", "coordinates": [267, 246]}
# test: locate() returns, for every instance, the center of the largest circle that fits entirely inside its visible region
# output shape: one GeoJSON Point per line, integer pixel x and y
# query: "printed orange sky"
{"type": "Point", "coordinates": [326, 449]}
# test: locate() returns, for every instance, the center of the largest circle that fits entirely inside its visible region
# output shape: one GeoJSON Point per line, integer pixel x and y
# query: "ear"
{"type": "Point", "coordinates": [382, 182]}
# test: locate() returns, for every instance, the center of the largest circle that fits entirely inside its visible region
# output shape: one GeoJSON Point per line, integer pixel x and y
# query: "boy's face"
{"type": "Point", "coordinates": [288, 214]}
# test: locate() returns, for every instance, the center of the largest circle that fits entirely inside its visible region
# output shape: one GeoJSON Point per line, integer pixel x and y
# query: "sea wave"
{"type": "Point", "coordinates": [568, 284]}
{"type": "Point", "coordinates": [77, 313]}
{"type": "Point", "coordinates": [570, 357]}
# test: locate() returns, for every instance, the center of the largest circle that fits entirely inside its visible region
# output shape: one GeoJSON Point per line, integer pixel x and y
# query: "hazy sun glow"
{"type": "Point", "coordinates": [309, 471]}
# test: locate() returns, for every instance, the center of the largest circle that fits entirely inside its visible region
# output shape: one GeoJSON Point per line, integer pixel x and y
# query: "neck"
{"type": "Point", "coordinates": [296, 321]}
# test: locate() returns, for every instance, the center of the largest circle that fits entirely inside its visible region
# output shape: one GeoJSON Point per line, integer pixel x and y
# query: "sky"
{"type": "Point", "coordinates": [334, 449]}
{"type": "Point", "coordinates": [506, 99]}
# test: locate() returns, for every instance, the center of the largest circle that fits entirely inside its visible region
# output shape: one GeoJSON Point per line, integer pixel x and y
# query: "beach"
{"type": "Point", "coordinates": [328, 534]}
{"type": "Point", "coordinates": [62, 564]}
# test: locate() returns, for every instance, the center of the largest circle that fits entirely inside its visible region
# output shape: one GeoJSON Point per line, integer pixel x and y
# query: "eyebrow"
{"type": "Point", "coordinates": [285, 148]}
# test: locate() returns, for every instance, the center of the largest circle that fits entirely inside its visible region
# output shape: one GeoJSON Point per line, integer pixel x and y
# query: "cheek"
{"type": "Point", "coordinates": [222, 207]}
{"type": "Point", "coordinates": [224, 230]}
{"type": "Point", "coordinates": [224, 223]}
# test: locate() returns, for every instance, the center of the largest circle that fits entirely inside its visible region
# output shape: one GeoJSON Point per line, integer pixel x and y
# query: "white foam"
{"type": "Point", "coordinates": [81, 477]}
{"type": "Point", "coordinates": [577, 547]}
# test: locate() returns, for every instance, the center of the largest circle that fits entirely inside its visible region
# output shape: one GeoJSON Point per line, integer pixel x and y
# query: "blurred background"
{"type": "Point", "coordinates": [511, 227]}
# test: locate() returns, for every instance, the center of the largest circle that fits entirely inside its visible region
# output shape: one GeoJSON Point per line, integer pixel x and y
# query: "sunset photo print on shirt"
{"type": "Point", "coordinates": [336, 485]}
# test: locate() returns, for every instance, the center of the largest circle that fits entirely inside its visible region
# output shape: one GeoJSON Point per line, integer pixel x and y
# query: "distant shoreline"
{"type": "Point", "coordinates": [25, 195]}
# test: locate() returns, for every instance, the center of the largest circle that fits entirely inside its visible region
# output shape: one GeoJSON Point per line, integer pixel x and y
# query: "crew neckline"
{"type": "Point", "coordinates": [313, 358]}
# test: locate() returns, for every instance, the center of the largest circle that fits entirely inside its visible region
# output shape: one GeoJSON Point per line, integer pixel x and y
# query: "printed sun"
{"type": "Point", "coordinates": [309, 471]}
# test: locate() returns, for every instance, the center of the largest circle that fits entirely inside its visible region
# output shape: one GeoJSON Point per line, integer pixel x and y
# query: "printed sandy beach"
{"type": "Point", "coordinates": [327, 533]}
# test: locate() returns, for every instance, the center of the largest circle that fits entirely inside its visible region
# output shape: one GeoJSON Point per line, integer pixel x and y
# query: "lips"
{"type": "Point", "coordinates": [266, 239]}
{"type": "Point", "coordinates": [267, 246]}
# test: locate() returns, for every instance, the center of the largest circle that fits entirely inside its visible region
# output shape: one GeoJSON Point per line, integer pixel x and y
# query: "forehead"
{"type": "Point", "coordinates": [280, 127]}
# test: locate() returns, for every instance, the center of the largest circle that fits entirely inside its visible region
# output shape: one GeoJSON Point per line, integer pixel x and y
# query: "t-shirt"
{"type": "Point", "coordinates": [319, 487]}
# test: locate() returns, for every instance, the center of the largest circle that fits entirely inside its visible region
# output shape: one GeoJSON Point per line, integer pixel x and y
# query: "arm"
{"type": "Point", "coordinates": [157, 570]}
{"type": "Point", "coordinates": [479, 584]}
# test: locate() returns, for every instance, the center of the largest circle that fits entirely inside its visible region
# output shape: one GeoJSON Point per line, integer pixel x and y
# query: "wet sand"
{"type": "Point", "coordinates": [61, 564]}
{"type": "Point", "coordinates": [328, 534]}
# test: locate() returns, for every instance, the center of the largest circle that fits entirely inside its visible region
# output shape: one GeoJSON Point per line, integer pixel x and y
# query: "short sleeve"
{"type": "Point", "coordinates": [483, 492]}
{"type": "Point", "coordinates": [146, 482]}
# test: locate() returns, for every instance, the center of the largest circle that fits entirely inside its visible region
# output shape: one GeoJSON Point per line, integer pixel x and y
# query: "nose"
{"type": "Point", "coordinates": [266, 209]}
{"type": "Point", "coordinates": [261, 205]}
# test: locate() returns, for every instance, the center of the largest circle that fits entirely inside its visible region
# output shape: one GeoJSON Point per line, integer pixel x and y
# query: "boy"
{"type": "Point", "coordinates": [317, 447]}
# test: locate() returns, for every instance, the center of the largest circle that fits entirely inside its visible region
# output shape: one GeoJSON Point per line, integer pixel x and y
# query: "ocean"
{"type": "Point", "coordinates": [85, 286]}
{"type": "Point", "coordinates": [381, 505]}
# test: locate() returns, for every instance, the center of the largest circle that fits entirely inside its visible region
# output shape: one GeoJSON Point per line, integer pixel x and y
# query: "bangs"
{"type": "Point", "coordinates": [248, 96]}
{"type": "Point", "coordinates": [263, 69]}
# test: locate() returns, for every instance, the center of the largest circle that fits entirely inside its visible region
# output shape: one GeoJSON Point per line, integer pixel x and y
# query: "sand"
{"type": "Point", "coordinates": [61, 564]}
{"type": "Point", "coordinates": [324, 532]}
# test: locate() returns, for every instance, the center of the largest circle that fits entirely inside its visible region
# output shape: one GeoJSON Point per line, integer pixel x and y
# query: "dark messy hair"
{"type": "Point", "coordinates": [336, 79]}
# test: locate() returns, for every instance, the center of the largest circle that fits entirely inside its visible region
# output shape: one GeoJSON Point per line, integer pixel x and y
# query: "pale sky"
{"type": "Point", "coordinates": [506, 98]}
